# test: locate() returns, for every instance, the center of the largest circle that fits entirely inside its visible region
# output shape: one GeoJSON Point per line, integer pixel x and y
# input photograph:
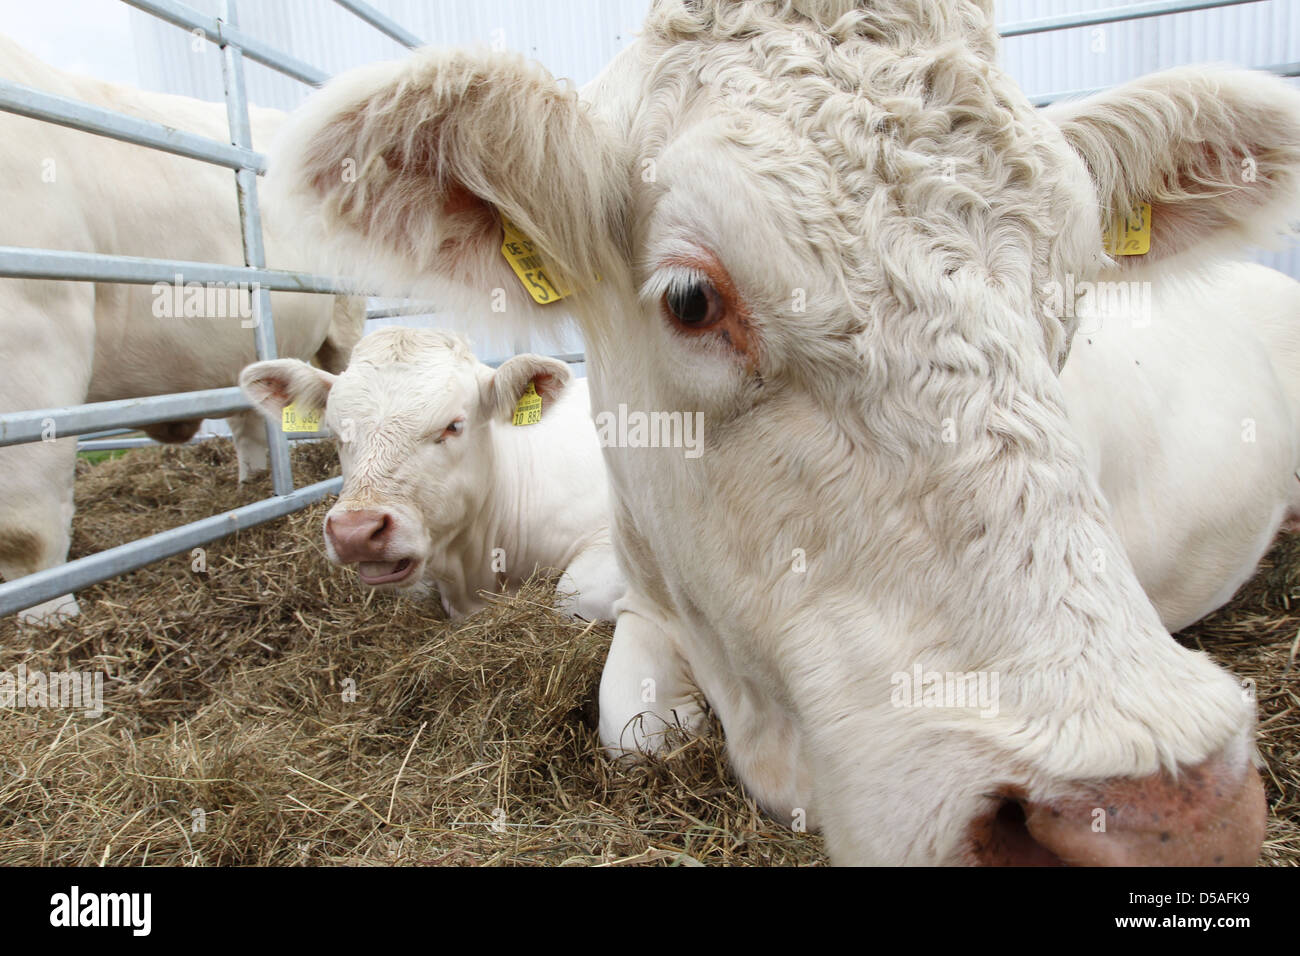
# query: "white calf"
{"type": "Point", "coordinates": [446, 485]}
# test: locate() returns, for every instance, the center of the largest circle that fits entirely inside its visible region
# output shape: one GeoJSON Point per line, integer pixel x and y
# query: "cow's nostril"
{"type": "Point", "coordinates": [1002, 838]}
{"type": "Point", "coordinates": [360, 535]}
{"type": "Point", "coordinates": [1212, 813]}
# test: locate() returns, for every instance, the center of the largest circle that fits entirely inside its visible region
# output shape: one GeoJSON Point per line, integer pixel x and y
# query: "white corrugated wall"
{"type": "Point", "coordinates": [575, 38]}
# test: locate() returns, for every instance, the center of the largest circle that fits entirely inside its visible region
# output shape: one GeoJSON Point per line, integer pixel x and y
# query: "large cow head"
{"type": "Point", "coordinates": [832, 227]}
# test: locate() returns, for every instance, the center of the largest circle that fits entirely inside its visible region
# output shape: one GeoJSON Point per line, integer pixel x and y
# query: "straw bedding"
{"type": "Point", "coordinates": [269, 711]}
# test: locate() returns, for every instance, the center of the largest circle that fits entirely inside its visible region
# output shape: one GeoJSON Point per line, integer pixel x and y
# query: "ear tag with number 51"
{"type": "Point", "coordinates": [528, 265]}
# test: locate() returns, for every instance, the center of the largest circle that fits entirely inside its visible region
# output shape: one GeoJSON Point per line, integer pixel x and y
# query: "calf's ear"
{"type": "Point", "coordinates": [548, 376]}
{"type": "Point", "coordinates": [406, 170]}
{"type": "Point", "coordinates": [1215, 151]}
{"type": "Point", "coordinates": [272, 385]}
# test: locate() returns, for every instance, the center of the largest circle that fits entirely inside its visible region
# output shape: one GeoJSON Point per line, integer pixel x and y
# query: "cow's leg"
{"type": "Point", "coordinates": [47, 336]}
{"type": "Point", "coordinates": [592, 583]}
{"type": "Point", "coordinates": [36, 518]}
{"type": "Point", "coordinates": [249, 429]}
{"type": "Point", "coordinates": [646, 688]}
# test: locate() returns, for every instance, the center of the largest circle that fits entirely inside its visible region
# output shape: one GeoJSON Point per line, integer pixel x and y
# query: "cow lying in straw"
{"type": "Point", "coordinates": [457, 476]}
{"type": "Point", "coordinates": [1185, 395]}
{"type": "Point", "coordinates": [833, 229]}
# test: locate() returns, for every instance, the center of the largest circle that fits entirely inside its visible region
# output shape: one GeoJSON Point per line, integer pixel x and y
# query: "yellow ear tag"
{"type": "Point", "coordinates": [293, 419]}
{"type": "Point", "coordinates": [1129, 235]}
{"type": "Point", "coordinates": [526, 260]}
{"type": "Point", "coordinates": [529, 409]}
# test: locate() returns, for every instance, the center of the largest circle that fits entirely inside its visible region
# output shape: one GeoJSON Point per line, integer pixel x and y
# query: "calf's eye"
{"type": "Point", "coordinates": [455, 428]}
{"type": "Point", "coordinates": [695, 304]}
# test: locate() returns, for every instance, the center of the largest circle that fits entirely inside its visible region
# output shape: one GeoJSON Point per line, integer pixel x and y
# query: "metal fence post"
{"type": "Point", "coordinates": [250, 223]}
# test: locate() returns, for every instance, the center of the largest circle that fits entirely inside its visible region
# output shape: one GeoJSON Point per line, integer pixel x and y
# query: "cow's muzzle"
{"type": "Point", "coordinates": [1212, 814]}
{"type": "Point", "coordinates": [366, 538]}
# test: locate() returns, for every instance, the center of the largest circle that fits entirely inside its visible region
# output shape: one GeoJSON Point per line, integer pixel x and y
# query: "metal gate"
{"type": "Point", "coordinates": [16, 262]}
{"type": "Point", "coordinates": [107, 417]}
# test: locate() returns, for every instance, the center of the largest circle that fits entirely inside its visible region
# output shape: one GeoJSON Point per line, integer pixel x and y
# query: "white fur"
{"type": "Point", "coordinates": [64, 343]}
{"type": "Point", "coordinates": [1189, 420]}
{"type": "Point", "coordinates": [481, 510]}
{"type": "Point", "coordinates": [890, 478]}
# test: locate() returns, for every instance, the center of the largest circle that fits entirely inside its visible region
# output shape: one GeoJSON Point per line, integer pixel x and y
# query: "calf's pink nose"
{"type": "Point", "coordinates": [359, 535]}
{"type": "Point", "coordinates": [1213, 814]}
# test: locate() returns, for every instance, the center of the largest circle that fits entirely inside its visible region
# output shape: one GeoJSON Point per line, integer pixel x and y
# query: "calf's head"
{"type": "Point", "coordinates": [414, 416]}
{"type": "Point", "coordinates": [834, 228]}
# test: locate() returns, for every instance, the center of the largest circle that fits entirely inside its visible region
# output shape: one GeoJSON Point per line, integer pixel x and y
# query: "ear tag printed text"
{"type": "Point", "coordinates": [526, 261]}
{"type": "Point", "coordinates": [529, 409]}
{"type": "Point", "coordinates": [1129, 235]}
{"type": "Point", "coordinates": [294, 419]}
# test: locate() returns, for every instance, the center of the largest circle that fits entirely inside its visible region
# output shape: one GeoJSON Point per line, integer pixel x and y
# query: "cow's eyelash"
{"type": "Point", "coordinates": [456, 427]}
{"type": "Point", "coordinates": [681, 277]}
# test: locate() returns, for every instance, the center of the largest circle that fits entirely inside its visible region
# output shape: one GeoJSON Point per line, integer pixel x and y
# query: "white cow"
{"type": "Point", "coordinates": [832, 228]}
{"type": "Point", "coordinates": [440, 487]}
{"type": "Point", "coordinates": [1185, 394]}
{"type": "Point", "coordinates": [64, 343]}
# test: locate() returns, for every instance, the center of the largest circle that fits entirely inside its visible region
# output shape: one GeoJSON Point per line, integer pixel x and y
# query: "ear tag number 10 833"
{"type": "Point", "coordinates": [529, 409]}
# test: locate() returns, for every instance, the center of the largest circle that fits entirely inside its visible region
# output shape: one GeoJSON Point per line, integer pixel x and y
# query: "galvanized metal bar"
{"type": "Point", "coordinates": [31, 590]}
{"type": "Point", "coordinates": [21, 262]}
{"type": "Point", "coordinates": [250, 224]}
{"type": "Point", "coordinates": [126, 444]}
{"type": "Point", "coordinates": [63, 111]}
{"type": "Point", "coordinates": [1046, 99]}
{"type": "Point", "coordinates": [398, 311]}
{"type": "Point", "coordinates": [570, 358]}
{"type": "Point", "coordinates": [1136, 11]}
{"type": "Point", "coordinates": [17, 428]}
{"type": "Point", "coordinates": [226, 34]}
{"type": "Point", "coordinates": [381, 22]}
{"type": "Point", "coordinates": [106, 433]}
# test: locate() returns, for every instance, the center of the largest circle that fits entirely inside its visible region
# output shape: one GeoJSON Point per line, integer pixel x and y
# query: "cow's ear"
{"type": "Point", "coordinates": [1216, 153]}
{"type": "Point", "coordinates": [407, 170]}
{"type": "Point", "coordinates": [549, 378]}
{"type": "Point", "coordinates": [272, 385]}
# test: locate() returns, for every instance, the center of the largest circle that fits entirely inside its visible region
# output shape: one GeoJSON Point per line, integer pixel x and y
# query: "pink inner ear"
{"type": "Point", "coordinates": [1202, 212]}
{"type": "Point", "coordinates": [276, 389]}
{"type": "Point", "coordinates": [460, 200]}
{"type": "Point", "coordinates": [545, 384]}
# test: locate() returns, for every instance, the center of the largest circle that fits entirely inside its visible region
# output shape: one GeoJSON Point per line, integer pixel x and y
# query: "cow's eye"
{"type": "Point", "coordinates": [455, 428]}
{"type": "Point", "coordinates": [694, 304]}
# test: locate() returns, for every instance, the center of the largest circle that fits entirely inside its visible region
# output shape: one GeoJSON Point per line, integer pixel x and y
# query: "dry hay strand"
{"type": "Point", "coordinates": [467, 744]}
{"type": "Point", "coordinates": [1257, 637]}
{"type": "Point", "coordinates": [228, 738]}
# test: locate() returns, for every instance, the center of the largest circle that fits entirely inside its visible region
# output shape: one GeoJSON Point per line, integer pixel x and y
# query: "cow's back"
{"type": "Point", "coordinates": [75, 191]}
{"type": "Point", "coordinates": [1189, 428]}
